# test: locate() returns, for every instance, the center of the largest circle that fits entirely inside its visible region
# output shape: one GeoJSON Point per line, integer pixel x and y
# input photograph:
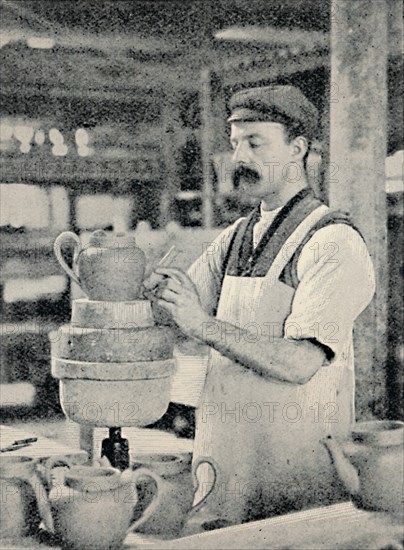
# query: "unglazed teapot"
{"type": "Point", "coordinates": [109, 268]}
{"type": "Point", "coordinates": [22, 505]}
{"type": "Point", "coordinates": [92, 507]}
{"type": "Point", "coordinates": [371, 465]}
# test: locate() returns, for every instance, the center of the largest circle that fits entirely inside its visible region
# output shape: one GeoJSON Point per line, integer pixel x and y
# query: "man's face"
{"type": "Point", "coordinates": [262, 155]}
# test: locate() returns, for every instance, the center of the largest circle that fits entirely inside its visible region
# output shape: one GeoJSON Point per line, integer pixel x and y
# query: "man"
{"type": "Point", "coordinates": [275, 297]}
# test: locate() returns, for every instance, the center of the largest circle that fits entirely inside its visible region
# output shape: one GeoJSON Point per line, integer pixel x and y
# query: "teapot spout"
{"type": "Point", "coordinates": [346, 472]}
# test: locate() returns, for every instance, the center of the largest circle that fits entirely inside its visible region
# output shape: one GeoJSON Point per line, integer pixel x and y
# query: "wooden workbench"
{"type": "Point", "coordinates": [42, 448]}
{"type": "Point", "coordinates": [339, 527]}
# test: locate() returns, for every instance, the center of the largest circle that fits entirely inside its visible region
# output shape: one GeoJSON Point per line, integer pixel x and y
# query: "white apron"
{"type": "Point", "coordinates": [263, 434]}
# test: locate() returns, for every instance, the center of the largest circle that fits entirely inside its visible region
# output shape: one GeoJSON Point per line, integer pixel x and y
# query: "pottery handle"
{"type": "Point", "coordinates": [54, 462]}
{"type": "Point", "coordinates": [44, 508]}
{"type": "Point", "coordinates": [213, 464]}
{"type": "Point", "coordinates": [154, 505]}
{"type": "Point", "coordinates": [57, 247]}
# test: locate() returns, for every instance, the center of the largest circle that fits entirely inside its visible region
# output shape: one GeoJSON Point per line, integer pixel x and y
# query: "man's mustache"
{"type": "Point", "coordinates": [246, 173]}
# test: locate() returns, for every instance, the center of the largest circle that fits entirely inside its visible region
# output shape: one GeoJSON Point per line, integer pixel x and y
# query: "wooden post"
{"type": "Point", "coordinates": [325, 168]}
{"type": "Point", "coordinates": [206, 146]}
{"type": "Point", "coordinates": [170, 178]}
{"type": "Point", "coordinates": [221, 128]}
{"type": "Point", "coordinates": [358, 146]}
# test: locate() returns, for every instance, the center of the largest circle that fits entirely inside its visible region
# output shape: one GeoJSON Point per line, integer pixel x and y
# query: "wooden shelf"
{"type": "Point", "coordinates": [73, 172]}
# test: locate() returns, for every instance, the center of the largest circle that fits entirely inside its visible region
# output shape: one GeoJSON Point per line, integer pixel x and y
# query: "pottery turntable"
{"type": "Point", "coordinates": [114, 364]}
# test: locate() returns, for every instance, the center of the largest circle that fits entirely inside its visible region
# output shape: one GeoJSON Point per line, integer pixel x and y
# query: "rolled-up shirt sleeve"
{"type": "Point", "coordinates": [336, 283]}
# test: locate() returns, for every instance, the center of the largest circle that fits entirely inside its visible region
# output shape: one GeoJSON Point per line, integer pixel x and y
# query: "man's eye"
{"type": "Point", "coordinates": [254, 145]}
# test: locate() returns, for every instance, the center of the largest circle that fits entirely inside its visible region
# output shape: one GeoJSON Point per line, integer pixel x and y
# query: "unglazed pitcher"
{"type": "Point", "coordinates": [92, 507]}
{"type": "Point", "coordinates": [109, 268]}
{"type": "Point", "coordinates": [23, 502]}
{"type": "Point", "coordinates": [175, 482]}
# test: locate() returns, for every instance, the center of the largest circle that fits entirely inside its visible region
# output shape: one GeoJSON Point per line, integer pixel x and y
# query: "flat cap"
{"type": "Point", "coordinates": [276, 103]}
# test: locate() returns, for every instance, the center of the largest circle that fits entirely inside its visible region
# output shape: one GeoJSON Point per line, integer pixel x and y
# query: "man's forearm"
{"type": "Point", "coordinates": [285, 360]}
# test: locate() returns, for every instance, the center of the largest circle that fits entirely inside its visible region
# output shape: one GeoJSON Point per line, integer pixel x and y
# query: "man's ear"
{"type": "Point", "coordinates": [300, 147]}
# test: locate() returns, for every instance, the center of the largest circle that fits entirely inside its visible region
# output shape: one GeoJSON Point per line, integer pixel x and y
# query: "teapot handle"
{"type": "Point", "coordinates": [154, 505]}
{"type": "Point", "coordinates": [213, 464]}
{"type": "Point", "coordinates": [57, 247]}
{"type": "Point", "coordinates": [44, 508]}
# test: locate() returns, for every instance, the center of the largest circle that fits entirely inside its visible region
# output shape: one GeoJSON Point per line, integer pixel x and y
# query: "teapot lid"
{"type": "Point", "coordinates": [109, 240]}
{"type": "Point", "coordinates": [91, 479]}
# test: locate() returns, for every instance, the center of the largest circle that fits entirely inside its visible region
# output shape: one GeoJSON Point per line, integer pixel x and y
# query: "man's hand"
{"type": "Point", "coordinates": [177, 294]}
{"type": "Point", "coordinates": [151, 283]}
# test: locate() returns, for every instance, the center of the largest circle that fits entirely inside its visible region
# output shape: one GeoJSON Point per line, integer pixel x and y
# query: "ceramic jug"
{"type": "Point", "coordinates": [371, 465]}
{"type": "Point", "coordinates": [23, 500]}
{"type": "Point", "coordinates": [110, 268]}
{"type": "Point", "coordinates": [92, 507]}
{"type": "Point", "coordinates": [175, 482]}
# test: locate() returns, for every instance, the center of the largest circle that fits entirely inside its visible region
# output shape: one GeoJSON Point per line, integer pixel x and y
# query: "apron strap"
{"type": "Point", "coordinates": [230, 260]}
{"type": "Point", "coordinates": [294, 241]}
{"type": "Point", "coordinates": [243, 261]}
{"type": "Point", "coordinates": [276, 239]}
{"type": "Point", "coordinates": [289, 274]}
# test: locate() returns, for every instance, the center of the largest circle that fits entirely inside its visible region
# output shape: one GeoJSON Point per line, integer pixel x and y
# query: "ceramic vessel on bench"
{"type": "Point", "coordinates": [91, 507]}
{"type": "Point", "coordinates": [175, 483]}
{"type": "Point", "coordinates": [371, 465]}
{"type": "Point", "coordinates": [22, 493]}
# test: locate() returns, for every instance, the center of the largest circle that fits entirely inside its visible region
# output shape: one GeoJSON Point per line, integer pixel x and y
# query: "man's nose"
{"type": "Point", "coordinates": [240, 155]}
